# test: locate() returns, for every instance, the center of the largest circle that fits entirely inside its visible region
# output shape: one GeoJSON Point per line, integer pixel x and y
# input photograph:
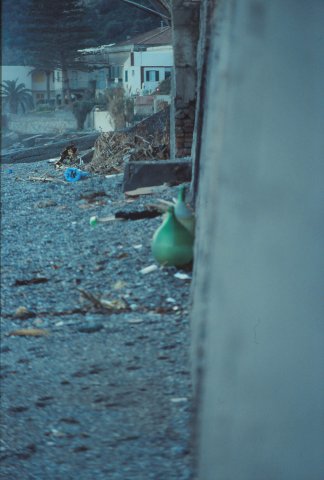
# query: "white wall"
{"type": "Point", "coordinates": [155, 58]}
{"type": "Point", "coordinates": [20, 72]}
{"type": "Point", "coordinates": [103, 122]}
{"type": "Point", "coordinates": [258, 306]}
{"type": "Point", "coordinates": [133, 86]}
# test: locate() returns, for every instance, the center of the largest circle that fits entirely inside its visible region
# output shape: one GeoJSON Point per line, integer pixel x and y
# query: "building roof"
{"type": "Point", "coordinates": [161, 36]}
{"type": "Point", "coordinates": [158, 36]}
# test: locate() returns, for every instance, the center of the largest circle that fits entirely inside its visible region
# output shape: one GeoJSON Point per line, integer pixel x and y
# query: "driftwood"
{"type": "Point", "coordinates": [44, 152]}
{"type": "Point", "coordinates": [138, 215]}
{"type": "Point", "coordinates": [45, 179]}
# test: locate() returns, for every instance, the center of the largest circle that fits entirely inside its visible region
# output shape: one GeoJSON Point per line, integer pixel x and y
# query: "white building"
{"type": "Point", "coordinates": [41, 83]}
{"type": "Point", "coordinates": [138, 64]}
{"type": "Point", "coordinates": [144, 70]}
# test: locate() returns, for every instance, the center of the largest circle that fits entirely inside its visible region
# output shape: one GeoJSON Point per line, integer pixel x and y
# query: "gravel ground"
{"type": "Point", "coordinates": [105, 394]}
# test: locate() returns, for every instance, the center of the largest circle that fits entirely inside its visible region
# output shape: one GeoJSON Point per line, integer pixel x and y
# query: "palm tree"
{"type": "Point", "coordinates": [16, 96]}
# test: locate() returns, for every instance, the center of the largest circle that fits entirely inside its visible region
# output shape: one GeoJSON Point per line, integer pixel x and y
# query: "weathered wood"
{"type": "Point", "coordinates": [146, 174]}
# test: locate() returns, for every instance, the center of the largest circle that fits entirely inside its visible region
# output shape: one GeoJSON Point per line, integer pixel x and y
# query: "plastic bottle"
{"type": "Point", "coordinates": [183, 214]}
{"type": "Point", "coordinates": [93, 221]}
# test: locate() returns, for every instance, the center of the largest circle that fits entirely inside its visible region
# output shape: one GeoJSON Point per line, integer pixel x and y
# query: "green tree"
{"type": "Point", "coordinates": [33, 32]}
{"type": "Point", "coordinates": [16, 96]}
{"type": "Point", "coordinates": [54, 32]}
{"type": "Point", "coordinates": [13, 31]}
{"type": "Point", "coordinates": [81, 108]}
{"type": "Point", "coordinates": [116, 106]}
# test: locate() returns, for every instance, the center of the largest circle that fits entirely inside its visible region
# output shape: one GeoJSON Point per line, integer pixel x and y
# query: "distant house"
{"type": "Point", "coordinates": [45, 86]}
{"type": "Point", "coordinates": [138, 63]}
{"type": "Point", "coordinates": [144, 70]}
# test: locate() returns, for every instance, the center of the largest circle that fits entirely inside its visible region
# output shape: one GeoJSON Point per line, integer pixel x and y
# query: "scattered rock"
{"type": "Point", "coordinates": [90, 328]}
{"type": "Point", "coordinates": [45, 204]}
{"type": "Point", "coordinates": [23, 313]}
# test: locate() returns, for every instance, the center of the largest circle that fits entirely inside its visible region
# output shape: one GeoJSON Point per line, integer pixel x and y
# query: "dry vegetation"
{"type": "Point", "coordinates": [148, 140]}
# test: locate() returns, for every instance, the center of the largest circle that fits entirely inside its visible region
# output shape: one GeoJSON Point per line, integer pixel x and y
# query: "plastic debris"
{"type": "Point", "coordinates": [74, 174]}
{"type": "Point", "coordinates": [179, 400]}
{"type": "Point", "coordinates": [114, 175]}
{"type": "Point", "coordinates": [135, 321]}
{"type": "Point", "coordinates": [170, 300]}
{"type": "Point", "coordinates": [172, 243]}
{"type": "Point", "coordinates": [93, 221]}
{"type": "Point", "coordinates": [183, 213]}
{"type": "Point", "coordinates": [182, 276]}
{"type": "Point", "coordinates": [149, 269]}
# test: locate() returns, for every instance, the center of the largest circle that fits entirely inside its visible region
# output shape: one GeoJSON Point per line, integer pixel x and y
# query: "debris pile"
{"type": "Point", "coordinates": [69, 156]}
{"type": "Point", "coordinates": [148, 140]}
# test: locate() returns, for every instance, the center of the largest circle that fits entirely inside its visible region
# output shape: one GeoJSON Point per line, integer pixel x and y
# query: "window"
{"type": "Point", "coordinates": [133, 73]}
{"type": "Point", "coordinates": [152, 75]}
{"type": "Point", "coordinates": [39, 77]}
{"type": "Point", "coordinates": [115, 71]}
{"type": "Point", "coordinates": [74, 78]}
{"type": "Point", "coordinates": [167, 74]}
{"type": "Point", "coordinates": [126, 76]}
{"type": "Point", "coordinates": [101, 79]}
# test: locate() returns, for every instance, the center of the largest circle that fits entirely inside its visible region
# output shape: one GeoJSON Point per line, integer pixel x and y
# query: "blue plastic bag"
{"type": "Point", "coordinates": [74, 174]}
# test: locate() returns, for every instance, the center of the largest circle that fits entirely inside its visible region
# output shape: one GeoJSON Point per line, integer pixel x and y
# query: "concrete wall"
{"type": "Point", "coordinates": [207, 23]}
{"type": "Point", "coordinates": [101, 121]}
{"type": "Point", "coordinates": [160, 102]}
{"type": "Point", "coordinates": [42, 123]}
{"type": "Point", "coordinates": [257, 316]}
